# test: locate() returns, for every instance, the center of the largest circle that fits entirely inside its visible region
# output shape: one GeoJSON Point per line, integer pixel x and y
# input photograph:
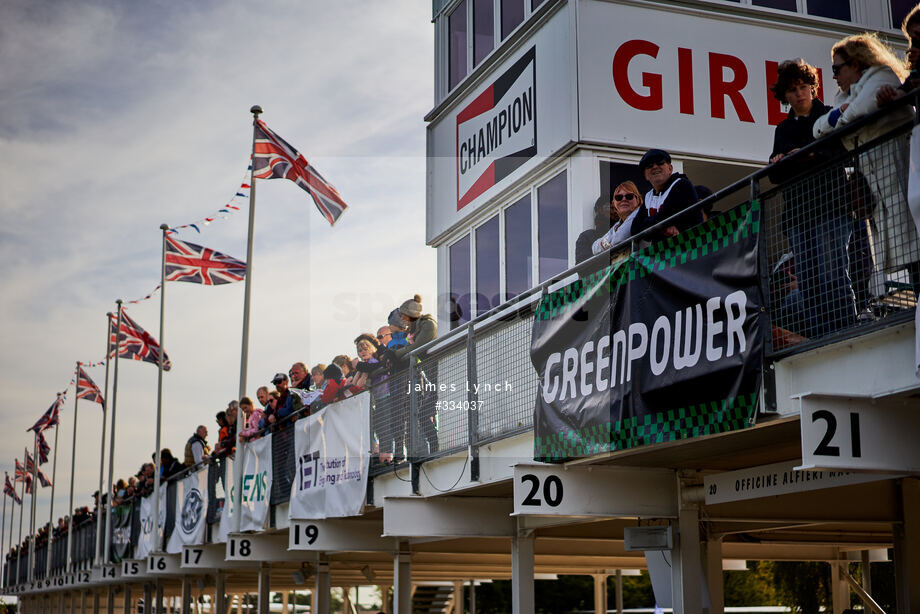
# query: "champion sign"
{"type": "Point", "coordinates": [497, 132]}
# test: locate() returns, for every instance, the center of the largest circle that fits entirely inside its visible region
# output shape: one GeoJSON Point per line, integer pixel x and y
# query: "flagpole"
{"type": "Point", "coordinates": [156, 482]}
{"type": "Point", "coordinates": [73, 464]}
{"type": "Point", "coordinates": [57, 428]}
{"type": "Point", "coordinates": [3, 533]}
{"type": "Point", "coordinates": [111, 487]}
{"type": "Point", "coordinates": [99, 508]}
{"type": "Point", "coordinates": [22, 507]}
{"type": "Point", "coordinates": [256, 110]}
{"type": "Point", "coordinates": [32, 513]}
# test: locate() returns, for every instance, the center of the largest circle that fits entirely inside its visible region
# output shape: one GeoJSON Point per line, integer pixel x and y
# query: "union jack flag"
{"type": "Point", "coordinates": [43, 479]}
{"type": "Point", "coordinates": [10, 491]}
{"type": "Point", "coordinates": [30, 467]}
{"type": "Point", "coordinates": [43, 449]}
{"type": "Point", "coordinates": [20, 474]}
{"type": "Point", "coordinates": [87, 388]}
{"type": "Point", "coordinates": [30, 464]}
{"type": "Point", "coordinates": [50, 417]}
{"type": "Point", "coordinates": [200, 265]}
{"type": "Point", "coordinates": [274, 158]}
{"type": "Point", "coordinates": [134, 342]}
{"type": "Point", "coordinates": [24, 474]}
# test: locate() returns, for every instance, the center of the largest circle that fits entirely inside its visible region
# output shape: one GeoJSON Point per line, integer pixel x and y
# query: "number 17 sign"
{"type": "Point", "coordinates": [860, 434]}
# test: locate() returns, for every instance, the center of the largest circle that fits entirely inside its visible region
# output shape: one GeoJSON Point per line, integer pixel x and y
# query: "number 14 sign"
{"type": "Point", "coordinates": [860, 434]}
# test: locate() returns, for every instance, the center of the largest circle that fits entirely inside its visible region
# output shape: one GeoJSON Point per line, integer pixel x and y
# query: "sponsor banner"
{"type": "Point", "coordinates": [664, 345]}
{"type": "Point", "coordinates": [332, 458]}
{"type": "Point", "coordinates": [121, 532]}
{"type": "Point", "coordinates": [497, 131]}
{"type": "Point", "coordinates": [257, 484]}
{"type": "Point", "coordinates": [226, 512]}
{"type": "Point", "coordinates": [778, 479]}
{"type": "Point", "coordinates": [191, 512]}
{"type": "Point", "coordinates": [146, 542]}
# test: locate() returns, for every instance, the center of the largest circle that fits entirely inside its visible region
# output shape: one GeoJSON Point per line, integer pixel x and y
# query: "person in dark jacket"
{"type": "Point", "coordinates": [422, 328]}
{"type": "Point", "coordinates": [816, 216]}
{"type": "Point", "coordinates": [605, 216]}
{"type": "Point", "coordinates": [671, 193]}
{"type": "Point", "coordinates": [169, 466]}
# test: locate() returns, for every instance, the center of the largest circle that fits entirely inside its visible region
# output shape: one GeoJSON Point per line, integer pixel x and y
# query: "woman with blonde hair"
{"type": "Point", "coordinates": [862, 64]}
{"type": "Point", "coordinates": [626, 201]}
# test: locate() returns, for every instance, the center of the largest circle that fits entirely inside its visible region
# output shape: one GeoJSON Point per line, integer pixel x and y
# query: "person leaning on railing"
{"type": "Point", "coordinates": [671, 193]}
{"type": "Point", "coordinates": [911, 29]}
{"type": "Point", "coordinates": [816, 214]}
{"type": "Point", "coordinates": [625, 205]}
{"type": "Point", "coordinates": [605, 216]}
{"type": "Point", "coordinates": [862, 65]}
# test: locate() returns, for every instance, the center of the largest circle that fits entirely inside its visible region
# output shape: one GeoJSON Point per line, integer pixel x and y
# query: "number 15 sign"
{"type": "Point", "coordinates": [860, 434]}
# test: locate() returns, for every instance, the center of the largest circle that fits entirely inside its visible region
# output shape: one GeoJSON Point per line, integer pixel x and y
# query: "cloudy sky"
{"type": "Point", "coordinates": [120, 116]}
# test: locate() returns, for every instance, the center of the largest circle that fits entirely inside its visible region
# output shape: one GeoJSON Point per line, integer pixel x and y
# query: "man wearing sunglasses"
{"type": "Point", "coordinates": [671, 193]}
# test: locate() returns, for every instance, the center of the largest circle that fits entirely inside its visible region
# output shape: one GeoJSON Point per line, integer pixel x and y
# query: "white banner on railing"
{"type": "Point", "coordinates": [913, 200]}
{"type": "Point", "coordinates": [146, 541]}
{"type": "Point", "coordinates": [257, 484]}
{"type": "Point", "coordinates": [225, 513]}
{"type": "Point", "coordinates": [331, 452]}
{"type": "Point", "coordinates": [191, 512]}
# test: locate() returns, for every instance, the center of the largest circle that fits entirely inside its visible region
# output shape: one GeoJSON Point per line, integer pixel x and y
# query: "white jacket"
{"type": "Point", "coordinates": [861, 100]}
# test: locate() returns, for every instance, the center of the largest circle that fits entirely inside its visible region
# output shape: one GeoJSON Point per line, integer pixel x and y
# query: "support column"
{"type": "Point", "coordinates": [126, 594]}
{"type": "Point", "coordinates": [907, 548]}
{"type": "Point", "coordinates": [385, 605]}
{"type": "Point", "coordinates": [285, 607]}
{"type": "Point", "coordinates": [840, 591]}
{"type": "Point", "coordinates": [148, 598]}
{"type": "Point", "coordinates": [220, 593]}
{"type": "Point", "coordinates": [712, 562]}
{"type": "Point", "coordinates": [110, 599]}
{"type": "Point", "coordinates": [73, 603]}
{"type": "Point", "coordinates": [346, 600]}
{"type": "Point", "coordinates": [619, 591]}
{"type": "Point", "coordinates": [686, 570]}
{"type": "Point", "coordinates": [402, 580]}
{"type": "Point", "coordinates": [472, 596]}
{"type": "Point", "coordinates": [322, 589]}
{"type": "Point", "coordinates": [95, 602]}
{"type": "Point", "coordinates": [600, 593]}
{"type": "Point", "coordinates": [458, 596]}
{"type": "Point", "coordinates": [263, 603]}
{"type": "Point", "coordinates": [61, 603]}
{"type": "Point", "coordinates": [522, 601]}
{"type": "Point", "coordinates": [185, 603]}
{"type": "Point", "coordinates": [158, 598]}
{"type": "Point", "coordinates": [82, 602]}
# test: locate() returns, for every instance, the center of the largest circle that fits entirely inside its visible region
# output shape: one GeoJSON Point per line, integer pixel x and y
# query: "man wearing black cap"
{"type": "Point", "coordinates": [287, 403]}
{"type": "Point", "coordinates": [671, 193]}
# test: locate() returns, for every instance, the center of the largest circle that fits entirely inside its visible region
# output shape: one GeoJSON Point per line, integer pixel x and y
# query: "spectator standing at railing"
{"type": "Point", "coordinates": [422, 329]}
{"type": "Point", "coordinates": [605, 216]}
{"type": "Point", "coordinates": [862, 65]}
{"type": "Point", "coordinates": [197, 448]}
{"type": "Point", "coordinates": [671, 193]}
{"type": "Point", "coordinates": [253, 416]}
{"type": "Point", "coordinates": [911, 29]}
{"type": "Point", "coordinates": [816, 210]}
{"type": "Point", "coordinates": [316, 376]}
{"type": "Point", "coordinates": [263, 396]}
{"type": "Point", "coordinates": [627, 200]}
{"type": "Point", "coordinates": [398, 336]}
{"type": "Point", "coordinates": [300, 378]}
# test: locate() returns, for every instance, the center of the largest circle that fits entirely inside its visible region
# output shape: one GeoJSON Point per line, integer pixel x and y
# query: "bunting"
{"type": "Point", "coordinates": [239, 200]}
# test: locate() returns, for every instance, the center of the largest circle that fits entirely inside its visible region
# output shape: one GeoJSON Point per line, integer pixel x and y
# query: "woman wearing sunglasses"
{"type": "Point", "coordinates": [626, 202]}
{"type": "Point", "coordinates": [862, 64]}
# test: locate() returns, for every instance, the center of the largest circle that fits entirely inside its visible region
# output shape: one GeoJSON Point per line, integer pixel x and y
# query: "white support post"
{"type": "Point", "coordinates": [600, 593]}
{"type": "Point", "coordinates": [458, 596]}
{"type": "Point", "coordinates": [472, 597]}
{"type": "Point", "coordinates": [712, 561]}
{"type": "Point", "coordinates": [220, 593]}
{"type": "Point", "coordinates": [619, 591]}
{"type": "Point", "coordinates": [522, 545]}
{"type": "Point", "coordinates": [263, 603]}
{"type": "Point", "coordinates": [402, 580]}
{"type": "Point", "coordinates": [110, 599]}
{"type": "Point", "coordinates": [840, 591]}
{"type": "Point", "coordinates": [148, 599]}
{"type": "Point", "coordinates": [185, 606]}
{"type": "Point", "coordinates": [322, 591]}
{"type": "Point", "coordinates": [126, 593]}
{"type": "Point", "coordinates": [95, 602]}
{"type": "Point", "coordinates": [346, 600]}
{"type": "Point", "coordinates": [285, 606]}
{"type": "Point", "coordinates": [687, 569]}
{"type": "Point", "coordinates": [158, 599]}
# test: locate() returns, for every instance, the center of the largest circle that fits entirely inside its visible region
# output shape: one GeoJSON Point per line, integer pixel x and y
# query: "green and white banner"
{"type": "Point", "coordinates": [257, 484]}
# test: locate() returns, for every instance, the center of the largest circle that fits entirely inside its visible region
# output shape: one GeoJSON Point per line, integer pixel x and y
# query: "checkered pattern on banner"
{"type": "Point", "coordinates": [723, 230]}
{"type": "Point", "coordinates": [670, 425]}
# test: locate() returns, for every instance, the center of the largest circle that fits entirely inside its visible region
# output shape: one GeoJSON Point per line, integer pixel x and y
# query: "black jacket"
{"type": "Point", "coordinates": [681, 196]}
{"type": "Point", "coordinates": [816, 196]}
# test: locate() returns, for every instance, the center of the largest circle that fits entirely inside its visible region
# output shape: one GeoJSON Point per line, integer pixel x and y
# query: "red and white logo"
{"type": "Point", "coordinates": [497, 132]}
